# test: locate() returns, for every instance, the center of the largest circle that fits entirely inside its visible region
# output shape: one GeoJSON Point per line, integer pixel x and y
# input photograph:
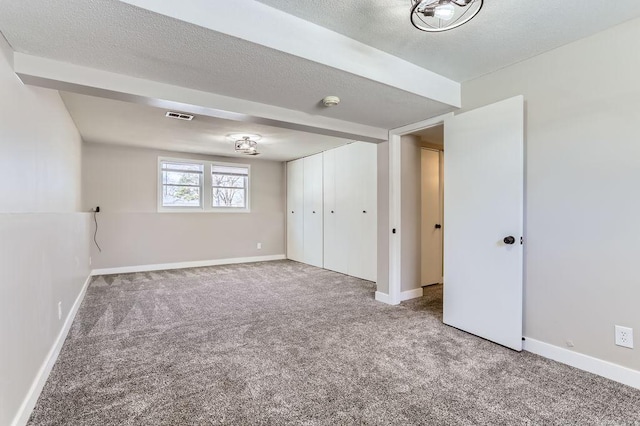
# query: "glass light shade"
{"type": "Point", "coordinates": [444, 11]}
{"type": "Point", "coordinates": [443, 15]}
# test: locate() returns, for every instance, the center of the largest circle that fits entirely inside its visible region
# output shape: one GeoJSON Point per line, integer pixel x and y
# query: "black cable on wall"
{"type": "Point", "coordinates": [95, 232]}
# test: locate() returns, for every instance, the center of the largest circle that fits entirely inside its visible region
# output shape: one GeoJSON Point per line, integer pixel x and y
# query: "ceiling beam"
{"type": "Point", "coordinates": [68, 77]}
{"type": "Point", "coordinates": [266, 26]}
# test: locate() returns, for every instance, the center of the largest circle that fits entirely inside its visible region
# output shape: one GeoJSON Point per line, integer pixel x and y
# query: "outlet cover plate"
{"type": "Point", "coordinates": [624, 336]}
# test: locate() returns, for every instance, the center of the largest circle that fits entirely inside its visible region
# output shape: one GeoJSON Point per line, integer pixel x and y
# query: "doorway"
{"type": "Point", "coordinates": [483, 212]}
{"type": "Point", "coordinates": [431, 213]}
{"type": "Point", "coordinates": [431, 204]}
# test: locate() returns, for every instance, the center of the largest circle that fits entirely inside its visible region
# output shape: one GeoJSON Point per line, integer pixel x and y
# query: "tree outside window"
{"type": "Point", "coordinates": [229, 186]}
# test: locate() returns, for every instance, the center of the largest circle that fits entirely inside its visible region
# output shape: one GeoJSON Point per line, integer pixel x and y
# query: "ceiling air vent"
{"type": "Point", "coordinates": [179, 115]}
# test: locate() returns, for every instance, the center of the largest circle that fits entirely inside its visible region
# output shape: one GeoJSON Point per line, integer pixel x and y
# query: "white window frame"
{"type": "Point", "coordinates": [206, 188]}
{"type": "Point", "coordinates": [209, 187]}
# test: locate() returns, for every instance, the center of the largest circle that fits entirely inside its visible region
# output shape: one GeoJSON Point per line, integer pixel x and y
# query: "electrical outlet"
{"type": "Point", "coordinates": [59, 310]}
{"type": "Point", "coordinates": [259, 246]}
{"type": "Point", "coordinates": [624, 336]}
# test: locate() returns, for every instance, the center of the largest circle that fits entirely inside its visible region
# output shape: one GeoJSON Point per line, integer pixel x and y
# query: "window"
{"type": "Point", "coordinates": [229, 186]}
{"type": "Point", "coordinates": [181, 184]}
{"type": "Point", "coordinates": [197, 186]}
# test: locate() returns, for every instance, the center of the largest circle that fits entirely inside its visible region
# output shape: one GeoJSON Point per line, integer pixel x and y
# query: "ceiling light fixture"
{"type": "Point", "coordinates": [247, 146]}
{"type": "Point", "coordinates": [443, 15]}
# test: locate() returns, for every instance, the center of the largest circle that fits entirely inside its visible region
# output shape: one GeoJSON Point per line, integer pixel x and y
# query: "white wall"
{"type": "Point", "coordinates": [43, 238]}
{"type": "Point", "coordinates": [123, 182]}
{"type": "Point", "coordinates": [582, 224]}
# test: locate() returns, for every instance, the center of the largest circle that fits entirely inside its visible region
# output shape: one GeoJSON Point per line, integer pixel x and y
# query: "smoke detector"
{"type": "Point", "coordinates": [331, 101]}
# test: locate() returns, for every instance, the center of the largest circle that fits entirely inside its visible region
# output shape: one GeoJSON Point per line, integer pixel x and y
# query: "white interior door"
{"type": "Point", "coordinates": [483, 206]}
{"type": "Point", "coordinates": [295, 218]}
{"type": "Point", "coordinates": [431, 220]}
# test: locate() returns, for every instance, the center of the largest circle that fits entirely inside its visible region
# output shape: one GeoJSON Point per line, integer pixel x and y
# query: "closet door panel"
{"type": "Point", "coordinates": [363, 252]}
{"type": "Point", "coordinates": [333, 237]}
{"type": "Point", "coordinates": [369, 182]}
{"type": "Point", "coordinates": [313, 222]}
{"type": "Point", "coordinates": [341, 221]}
{"type": "Point", "coordinates": [295, 219]}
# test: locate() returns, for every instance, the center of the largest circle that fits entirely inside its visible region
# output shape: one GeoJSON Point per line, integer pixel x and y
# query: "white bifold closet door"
{"type": "Point", "coordinates": [335, 214]}
{"type": "Point", "coordinates": [312, 210]}
{"type": "Point", "coordinates": [295, 206]}
{"type": "Point", "coordinates": [295, 216]}
{"type": "Point", "coordinates": [362, 200]}
{"type": "Point", "coordinates": [350, 189]}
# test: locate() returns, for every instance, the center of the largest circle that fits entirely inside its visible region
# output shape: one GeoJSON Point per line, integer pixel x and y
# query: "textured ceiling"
{"type": "Point", "coordinates": [114, 36]}
{"type": "Point", "coordinates": [503, 33]}
{"type": "Point", "coordinates": [117, 37]}
{"type": "Point", "coordinates": [108, 121]}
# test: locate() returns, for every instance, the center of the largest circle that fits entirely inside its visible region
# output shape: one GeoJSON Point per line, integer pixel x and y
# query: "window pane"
{"type": "Point", "coordinates": [181, 196]}
{"type": "Point", "coordinates": [180, 178]}
{"type": "Point", "coordinates": [229, 197]}
{"type": "Point", "coordinates": [183, 166]}
{"type": "Point", "coordinates": [229, 180]}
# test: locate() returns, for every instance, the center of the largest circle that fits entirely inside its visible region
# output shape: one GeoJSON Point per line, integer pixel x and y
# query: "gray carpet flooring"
{"type": "Point", "coordinates": [286, 343]}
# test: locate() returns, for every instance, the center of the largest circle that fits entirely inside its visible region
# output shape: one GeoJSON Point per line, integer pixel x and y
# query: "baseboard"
{"type": "Point", "coordinates": [182, 265]}
{"type": "Point", "coordinates": [384, 298]}
{"type": "Point", "coordinates": [588, 363]}
{"type": "Point", "coordinates": [405, 295]}
{"type": "Point", "coordinates": [411, 294]}
{"type": "Point", "coordinates": [29, 402]}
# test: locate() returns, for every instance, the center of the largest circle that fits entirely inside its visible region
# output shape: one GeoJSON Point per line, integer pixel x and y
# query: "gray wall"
{"type": "Point", "coordinates": [411, 244]}
{"type": "Point", "coordinates": [43, 238]}
{"type": "Point", "coordinates": [123, 182]}
{"type": "Point", "coordinates": [383, 218]}
{"type": "Point", "coordinates": [582, 224]}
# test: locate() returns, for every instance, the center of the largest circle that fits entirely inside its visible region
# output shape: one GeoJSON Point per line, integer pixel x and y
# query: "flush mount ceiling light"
{"type": "Point", "coordinates": [442, 15]}
{"type": "Point", "coordinates": [247, 146]}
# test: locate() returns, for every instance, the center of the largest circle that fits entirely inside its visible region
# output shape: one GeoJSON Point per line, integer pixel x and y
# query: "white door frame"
{"type": "Point", "coordinates": [395, 204]}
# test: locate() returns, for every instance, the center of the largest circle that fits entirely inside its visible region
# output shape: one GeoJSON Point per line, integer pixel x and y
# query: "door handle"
{"type": "Point", "coordinates": [438, 226]}
{"type": "Point", "coordinates": [509, 240]}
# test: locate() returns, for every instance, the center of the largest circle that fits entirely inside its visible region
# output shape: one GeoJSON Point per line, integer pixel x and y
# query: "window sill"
{"type": "Point", "coordinates": [200, 210]}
